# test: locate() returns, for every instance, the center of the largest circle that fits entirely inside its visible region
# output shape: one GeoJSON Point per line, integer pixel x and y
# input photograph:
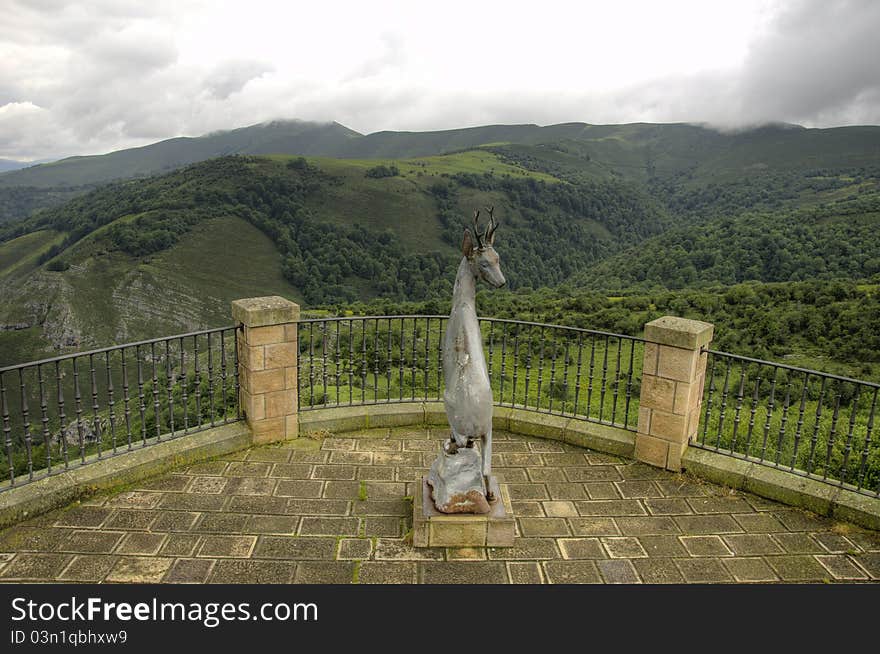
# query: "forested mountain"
{"type": "Point", "coordinates": [590, 211]}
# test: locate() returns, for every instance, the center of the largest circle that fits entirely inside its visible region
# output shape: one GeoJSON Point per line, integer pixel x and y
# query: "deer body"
{"type": "Point", "coordinates": [468, 395]}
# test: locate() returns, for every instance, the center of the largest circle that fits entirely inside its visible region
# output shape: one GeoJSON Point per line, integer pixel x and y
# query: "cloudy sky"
{"type": "Point", "coordinates": [91, 76]}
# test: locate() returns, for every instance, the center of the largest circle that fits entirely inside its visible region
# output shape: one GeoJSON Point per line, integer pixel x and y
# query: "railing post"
{"type": "Point", "coordinates": [267, 358]}
{"type": "Point", "coordinates": [672, 389]}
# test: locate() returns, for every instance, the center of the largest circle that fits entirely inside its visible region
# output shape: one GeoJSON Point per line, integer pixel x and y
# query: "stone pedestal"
{"type": "Point", "coordinates": [434, 529]}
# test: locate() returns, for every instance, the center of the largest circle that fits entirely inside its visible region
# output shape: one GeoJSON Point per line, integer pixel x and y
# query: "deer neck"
{"type": "Point", "coordinates": [464, 292]}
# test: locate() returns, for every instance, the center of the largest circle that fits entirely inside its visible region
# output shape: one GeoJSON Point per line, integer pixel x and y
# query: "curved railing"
{"type": "Point", "coordinates": [66, 411]}
{"type": "Point", "coordinates": [580, 373]}
{"type": "Point", "coordinates": [805, 422]}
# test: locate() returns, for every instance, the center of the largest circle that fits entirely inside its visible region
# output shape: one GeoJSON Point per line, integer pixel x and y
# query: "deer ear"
{"type": "Point", "coordinates": [467, 243]}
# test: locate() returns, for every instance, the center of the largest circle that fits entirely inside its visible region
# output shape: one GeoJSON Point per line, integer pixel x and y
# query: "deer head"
{"type": "Point", "coordinates": [480, 253]}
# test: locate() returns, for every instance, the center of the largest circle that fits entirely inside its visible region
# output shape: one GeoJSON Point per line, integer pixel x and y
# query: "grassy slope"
{"type": "Point", "coordinates": [111, 298]}
{"type": "Point", "coordinates": [20, 255]}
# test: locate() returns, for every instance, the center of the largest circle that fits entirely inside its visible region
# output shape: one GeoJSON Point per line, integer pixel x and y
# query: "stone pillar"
{"type": "Point", "coordinates": [267, 358]}
{"type": "Point", "coordinates": [672, 389]}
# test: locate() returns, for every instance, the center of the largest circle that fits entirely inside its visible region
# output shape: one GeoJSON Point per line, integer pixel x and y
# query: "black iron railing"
{"type": "Point", "coordinates": [585, 374]}
{"type": "Point", "coordinates": [806, 422]}
{"type": "Point", "coordinates": [63, 412]}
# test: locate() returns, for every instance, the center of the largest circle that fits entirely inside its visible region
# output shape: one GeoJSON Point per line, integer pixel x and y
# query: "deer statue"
{"type": "Point", "coordinates": [468, 395]}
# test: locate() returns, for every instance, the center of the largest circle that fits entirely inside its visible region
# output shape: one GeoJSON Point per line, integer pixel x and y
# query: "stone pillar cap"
{"type": "Point", "coordinates": [264, 311]}
{"type": "Point", "coordinates": [679, 332]}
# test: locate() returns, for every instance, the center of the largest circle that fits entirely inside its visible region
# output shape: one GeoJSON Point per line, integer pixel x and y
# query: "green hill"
{"type": "Point", "coordinates": [166, 254]}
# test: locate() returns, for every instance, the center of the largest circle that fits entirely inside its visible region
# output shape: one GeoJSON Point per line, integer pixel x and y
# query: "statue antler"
{"type": "Point", "coordinates": [477, 234]}
{"type": "Point", "coordinates": [490, 230]}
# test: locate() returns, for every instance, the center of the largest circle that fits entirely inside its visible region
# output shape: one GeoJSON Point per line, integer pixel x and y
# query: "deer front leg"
{"type": "Point", "coordinates": [487, 462]}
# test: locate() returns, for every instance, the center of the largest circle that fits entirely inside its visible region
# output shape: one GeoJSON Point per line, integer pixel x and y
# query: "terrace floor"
{"type": "Point", "coordinates": [336, 511]}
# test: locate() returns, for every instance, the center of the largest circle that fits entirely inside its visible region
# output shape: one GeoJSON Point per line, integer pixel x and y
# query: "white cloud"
{"type": "Point", "coordinates": [87, 77]}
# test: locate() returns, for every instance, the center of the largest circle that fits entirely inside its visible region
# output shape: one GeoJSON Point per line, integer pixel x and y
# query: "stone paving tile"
{"type": "Point", "coordinates": [835, 543]}
{"type": "Point", "coordinates": [88, 567]}
{"type": "Point", "coordinates": [189, 571]}
{"type": "Point", "coordinates": [206, 468]}
{"type": "Point", "coordinates": [91, 541]}
{"type": "Point", "coordinates": [543, 527]}
{"type": "Point", "coordinates": [375, 473]}
{"type": "Point", "coordinates": [594, 526]}
{"type": "Point", "coordinates": [572, 572]}
{"type": "Point", "coordinates": [33, 539]}
{"type": "Point", "coordinates": [381, 526]}
{"type": "Point", "coordinates": [192, 502]}
{"type": "Point", "coordinates": [249, 469]}
{"type": "Point", "coordinates": [799, 543]}
{"type": "Point", "coordinates": [303, 489]}
{"type": "Point", "coordinates": [382, 572]}
{"type": "Point", "coordinates": [141, 543]}
{"type": "Point", "coordinates": [136, 500]}
{"type": "Point", "coordinates": [797, 520]}
{"type": "Point", "coordinates": [602, 490]}
{"type": "Point", "coordinates": [525, 573]}
{"type": "Point", "coordinates": [581, 548]}
{"type": "Point", "coordinates": [295, 548]}
{"type": "Point", "coordinates": [703, 571]}
{"type": "Point", "coordinates": [707, 524]}
{"type": "Point", "coordinates": [292, 470]}
{"type": "Point", "coordinates": [705, 546]}
{"type": "Point", "coordinates": [382, 507]}
{"type": "Point", "coordinates": [131, 519]}
{"type": "Point", "coordinates": [658, 571]}
{"type": "Point", "coordinates": [354, 549]}
{"type": "Point", "coordinates": [752, 544]}
{"type": "Point", "coordinates": [296, 506]}
{"type": "Point", "coordinates": [725, 505]}
{"type": "Point", "coordinates": [139, 569]}
{"type": "Point", "coordinates": [243, 571]}
{"type": "Point", "coordinates": [528, 509]}
{"type": "Point", "coordinates": [175, 520]}
{"type": "Point", "coordinates": [221, 523]}
{"type": "Point", "coordinates": [798, 568]}
{"type": "Point", "coordinates": [840, 567]}
{"type": "Point", "coordinates": [293, 513]}
{"type": "Point", "coordinates": [623, 547]}
{"type": "Point", "coordinates": [180, 545]}
{"type": "Point", "coordinates": [646, 526]}
{"type": "Point", "coordinates": [618, 572]}
{"type": "Point", "coordinates": [36, 567]}
{"type": "Point", "coordinates": [236, 547]}
{"type": "Point", "coordinates": [321, 526]}
{"type": "Point", "coordinates": [394, 549]}
{"type": "Point", "coordinates": [357, 458]}
{"type": "Point", "coordinates": [610, 507]}
{"type": "Point", "coordinates": [559, 509]}
{"type": "Point", "coordinates": [566, 491]}
{"type": "Point", "coordinates": [84, 516]}
{"type": "Point", "coordinates": [758, 523]}
{"type": "Point", "coordinates": [271, 524]}
{"type": "Point", "coordinates": [464, 572]}
{"type": "Point", "coordinates": [750, 569]}
{"type": "Point", "coordinates": [668, 506]}
{"type": "Point", "coordinates": [662, 546]}
{"type": "Point", "coordinates": [526, 549]}
{"type": "Point", "coordinates": [638, 488]}
{"type": "Point", "coordinates": [867, 541]}
{"type": "Point", "coordinates": [592, 474]}
{"type": "Point", "coordinates": [870, 563]}
{"type": "Point", "coordinates": [681, 487]}
{"type": "Point", "coordinates": [325, 572]}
